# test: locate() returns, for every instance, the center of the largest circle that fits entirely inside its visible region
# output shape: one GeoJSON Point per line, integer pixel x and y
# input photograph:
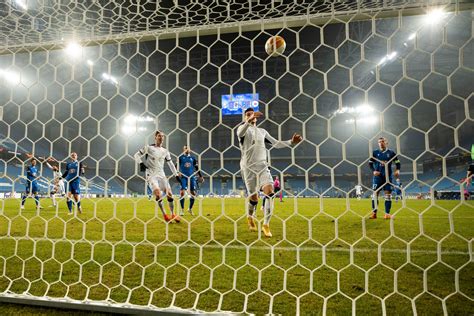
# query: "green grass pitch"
{"type": "Point", "coordinates": [325, 256]}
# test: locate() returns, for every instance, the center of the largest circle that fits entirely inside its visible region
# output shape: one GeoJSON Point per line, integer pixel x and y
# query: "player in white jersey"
{"type": "Point", "coordinates": [154, 157]}
{"type": "Point", "coordinates": [57, 181]}
{"type": "Point", "coordinates": [358, 189]}
{"type": "Point", "coordinates": [254, 165]}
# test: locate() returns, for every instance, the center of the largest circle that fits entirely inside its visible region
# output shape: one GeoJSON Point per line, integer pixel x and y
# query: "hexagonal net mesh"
{"type": "Point", "coordinates": [391, 69]}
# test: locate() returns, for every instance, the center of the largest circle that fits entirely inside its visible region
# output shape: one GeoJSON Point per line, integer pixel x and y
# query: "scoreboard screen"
{"type": "Point", "coordinates": [233, 104]}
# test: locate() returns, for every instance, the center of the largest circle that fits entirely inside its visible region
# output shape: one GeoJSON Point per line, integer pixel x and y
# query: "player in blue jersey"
{"type": "Point", "coordinates": [381, 165]}
{"type": "Point", "coordinates": [31, 183]}
{"type": "Point", "coordinates": [188, 168]}
{"type": "Point", "coordinates": [74, 169]}
{"type": "Point", "coordinates": [398, 189]}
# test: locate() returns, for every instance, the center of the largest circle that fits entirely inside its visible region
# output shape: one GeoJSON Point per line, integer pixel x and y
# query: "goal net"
{"type": "Point", "coordinates": [98, 78]}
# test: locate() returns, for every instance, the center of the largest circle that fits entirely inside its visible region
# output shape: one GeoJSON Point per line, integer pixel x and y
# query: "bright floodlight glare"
{"type": "Point", "coordinates": [11, 77]}
{"type": "Point", "coordinates": [90, 62]}
{"type": "Point", "coordinates": [145, 119]}
{"type": "Point", "coordinates": [412, 36]}
{"type": "Point", "coordinates": [361, 109]}
{"type": "Point", "coordinates": [364, 109]}
{"type": "Point", "coordinates": [21, 4]}
{"type": "Point", "coordinates": [434, 16]}
{"type": "Point", "coordinates": [106, 76]}
{"type": "Point", "coordinates": [128, 129]}
{"type": "Point", "coordinates": [73, 49]}
{"type": "Point", "coordinates": [387, 57]}
{"type": "Point", "coordinates": [367, 120]}
{"type": "Point", "coordinates": [130, 119]}
{"type": "Point", "coordinates": [370, 120]}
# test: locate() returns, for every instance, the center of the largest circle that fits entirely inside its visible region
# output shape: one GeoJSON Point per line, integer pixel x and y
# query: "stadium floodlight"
{"type": "Point", "coordinates": [130, 124]}
{"type": "Point", "coordinates": [434, 16]}
{"type": "Point", "coordinates": [386, 58]}
{"type": "Point", "coordinates": [145, 119]}
{"type": "Point", "coordinates": [90, 62]}
{"type": "Point", "coordinates": [361, 109]}
{"type": "Point", "coordinates": [364, 109]}
{"type": "Point", "coordinates": [110, 78]}
{"type": "Point", "coordinates": [11, 77]}
{"type": "Point", "coordinates": [367, 120]}
{"type": "Point", "coordinates": [392, 55]}
{"type": "Point", "coordinates": [412, 36]}
{"type": "Point", "coordinates": [73, 49]}
{"type": "Point", "coordinates": [370, 120]}
{"type": "Point", "coordinates": [130, 119]}
{"type": "Point", "coordinates": [21, 4]}
{"type": "Point", "coordinates": [129, 129]}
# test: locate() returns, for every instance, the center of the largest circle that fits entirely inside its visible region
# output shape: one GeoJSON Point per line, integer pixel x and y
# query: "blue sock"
{"type": "Point", "coordinates": [388, 204]}
{"type": "Point", "coordinates": [37, 200]}
{"type": "Point", "coordinates": [373, 206]}
{"type": "Point", "coordinates": [191, 203]}
{"type": "Point", "coordinates": [69, 205]}
{"type": "Point", "coordinates": [181, 202]}
{"type": "Point", "coordinates": [23, 199]}
{"type": "Point", "coordinates": [79, 205]}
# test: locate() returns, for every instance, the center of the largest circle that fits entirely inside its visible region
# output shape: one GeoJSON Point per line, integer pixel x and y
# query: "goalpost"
{"type": "Point", "coordinates": [98, 79]}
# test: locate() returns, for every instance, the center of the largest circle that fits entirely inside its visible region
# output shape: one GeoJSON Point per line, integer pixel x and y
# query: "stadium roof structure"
{"type": "Point", "coordinates": [39, 22]}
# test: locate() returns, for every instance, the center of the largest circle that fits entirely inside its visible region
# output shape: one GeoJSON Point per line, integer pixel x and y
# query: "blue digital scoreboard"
{"type": "Point", "coordinates": [234, 104]}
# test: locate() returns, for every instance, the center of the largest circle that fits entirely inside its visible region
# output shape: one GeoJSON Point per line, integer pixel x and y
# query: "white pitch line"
{"type": "Point", "coordinates": [320, 249]}
{"type": "Point", "coordinates": [242, 247]}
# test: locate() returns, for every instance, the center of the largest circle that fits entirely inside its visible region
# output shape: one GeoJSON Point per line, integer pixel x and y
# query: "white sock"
{"type": "Point", "coordinates": [268, 210]}
{"type": "Point", "coordinates": [160, 204]}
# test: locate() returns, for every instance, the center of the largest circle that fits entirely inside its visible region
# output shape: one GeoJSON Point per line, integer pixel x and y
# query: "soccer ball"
{"type": "Point", "coordinates": [275, 46]}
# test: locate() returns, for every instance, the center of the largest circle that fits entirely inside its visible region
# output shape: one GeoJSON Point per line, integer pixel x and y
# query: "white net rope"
{"type": "Point", "coordinates": [341, 84]}
{"type": "Point", "coordinates": [33, 22]}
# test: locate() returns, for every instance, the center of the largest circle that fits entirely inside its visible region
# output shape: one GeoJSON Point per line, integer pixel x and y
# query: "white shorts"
{"type": "Point", "coordinates": [157, 182]}
{"type": "Point", "coordinates": [59, 187]}
{"type": "Point", "coordinates": [255, 180]}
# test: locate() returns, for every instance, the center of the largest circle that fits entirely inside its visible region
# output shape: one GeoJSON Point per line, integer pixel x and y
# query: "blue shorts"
{"type": "Point", "coordinates": [31, 187]}
{"type": "Point", "coordinates": [398, 192]}
{"type": "Point", "coordinates": [74, 187]}
{"type": "Point", "coordinates": [188, 180]}
{"type": "Point", "coordinates": [380, 182]}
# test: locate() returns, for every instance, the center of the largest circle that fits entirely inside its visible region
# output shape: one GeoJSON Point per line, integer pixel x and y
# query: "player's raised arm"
{"type": "Point", "coordinates": [295, 139]}
{"type": "Point", "coordinates": [242, 129]}
{"type": "Point", "coordinates": [139, 154]}
{"type": "Point", "coordinates": [250, 118]}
